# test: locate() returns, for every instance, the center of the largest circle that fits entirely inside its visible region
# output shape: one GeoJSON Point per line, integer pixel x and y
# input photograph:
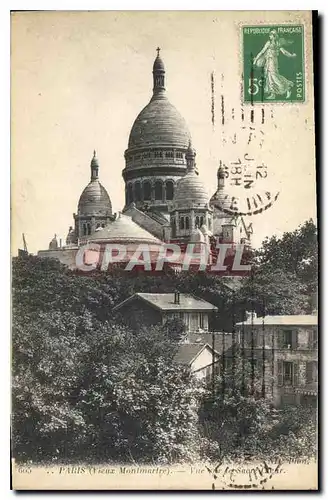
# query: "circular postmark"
{"type": "Point", "coordinates": [245, 187]}
{"type": "Point", "coordinates": [253, 204]}
{"type": "Point", "coordinates": [244, 476]}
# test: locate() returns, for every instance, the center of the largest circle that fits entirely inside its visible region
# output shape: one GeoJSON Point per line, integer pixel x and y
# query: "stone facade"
{"type": "Point", "coordinates": [290, 356]}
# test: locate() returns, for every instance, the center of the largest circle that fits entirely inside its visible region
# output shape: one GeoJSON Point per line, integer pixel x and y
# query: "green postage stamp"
{"type": "Point", "coordinates": [273, 63]}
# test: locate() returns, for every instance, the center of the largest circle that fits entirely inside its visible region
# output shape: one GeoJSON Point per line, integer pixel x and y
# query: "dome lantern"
{"type": "Point", "coordinates": [94, 167]}
{"type": "Point", "coordinates": [158, 76]}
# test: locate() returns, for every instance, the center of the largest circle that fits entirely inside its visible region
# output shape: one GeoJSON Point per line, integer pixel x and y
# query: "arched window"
{"type": "Point", "coordinates": [197, 221]}
{"type": "Point", "coordinates": [158, 190]}
{"type": "Point", "coordinates": [89, 228]}
{"type": "Point", "coordinates": [169, 190]}
{"type": "Point", "coordinates": [137, 191]}
{"type": "Point", "coordinates": [182, 223]}
{"type": "Point", "coordinates": [129, 194]}
{"type": "Point", "coordinates": [201, 222]}
{"type": "Point", "coordinates": [187, 222]}
{"type": "Point", "coordinates": [84, 229]}
{"type": "Point", "coordinates": [146, 191]}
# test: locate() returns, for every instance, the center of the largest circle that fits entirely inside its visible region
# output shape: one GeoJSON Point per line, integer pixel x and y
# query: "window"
{"type": "Point", "coordinates": [84, 229]}
{"type": "Point", "coordinates": [313, 339]}
{"type": "Point", "coordinates": [182, 223]}
{"type": "Point", "coordinates": [158, 190]}
{"type": "Point", "coordinates": [169, 154]}
{"type": "Point", "coordinates": [187, 222]}
{"type": "Point", "coordinates": [197, 221]}
{"type": "Point", "coordinates": [137, 191]}
{"type": "Point", "coordinates": [146, 191]}
{"type": "Point", "coordinates": [287, 339]}
{"type": "Point", "coordinates": [311, 372]}
{"type": "Point", "coordinates": [209, 224]}
{"type": "Point", "coordinates": [158, 154]}
{"type": "Point", "coordinates": [201, 221]}
{"type": "Point", "coordinates": [201, 320]}
{"type": "Point", "coordinates": [129, 194]}
{"type": "Point", "coordinates": [179, 154]}
{"type": "Point", "coordinates": [89, 228]}
{"type": "Point", "coordinates": [169, 190]}
{"type": "Point", "coordinates": [288, 373]}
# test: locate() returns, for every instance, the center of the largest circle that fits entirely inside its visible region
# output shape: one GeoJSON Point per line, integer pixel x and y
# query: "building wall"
{"type": "Point", "coordinates": [194, 321]}
{"type": "Point", "coordinates": [202, 365]}
{"type": "Point", "coordinates": [300, 352]}
{"type": "Point", "coordinates": [138, 312]}
{"type": "Point", "coordinates": [146, 222]}
{"type": "Point", "coordinates": [65, 255]}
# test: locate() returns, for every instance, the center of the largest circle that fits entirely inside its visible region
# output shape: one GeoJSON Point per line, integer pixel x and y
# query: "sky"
{"type": "Point", "coordinates": [79, 80]}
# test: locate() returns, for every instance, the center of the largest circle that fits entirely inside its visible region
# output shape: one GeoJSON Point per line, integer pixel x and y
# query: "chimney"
{"type": "Point", "coordinates": [177, 297]}
{"type": "Point", "coordinates": [249, 315]}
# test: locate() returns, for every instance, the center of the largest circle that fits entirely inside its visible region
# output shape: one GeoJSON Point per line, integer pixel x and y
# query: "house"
{"type": "Point", "coordinates": [200, 358]}
{"type": "Point", "coordinates": [157, 308]}
{"type": "Point", "coordinates": [288, 346]}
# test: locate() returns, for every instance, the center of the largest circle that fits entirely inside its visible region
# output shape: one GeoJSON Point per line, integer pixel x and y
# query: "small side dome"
{"type": "Point", "coordinates": [70, 238]}
{"type": "Point", "coordinates": [53, 245]}
{"type": "Point", "coordinates": [94, 199]}
{"type": "Point", "coordinates": [197, 236]}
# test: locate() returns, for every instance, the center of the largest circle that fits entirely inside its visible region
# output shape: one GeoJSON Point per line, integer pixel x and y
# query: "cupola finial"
{"type": "Point", "coordinates": [190, 158]}
{"type": "Point", "coordinates": [94, 167]}
{"type": "Point", "coordinates": [158, 75]}
{"type": "Point", "coordinates": [221, 176]}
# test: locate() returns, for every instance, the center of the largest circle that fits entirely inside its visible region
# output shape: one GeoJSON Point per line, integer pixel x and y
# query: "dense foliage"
{"type": "Point", "coordinates": [85, 384]}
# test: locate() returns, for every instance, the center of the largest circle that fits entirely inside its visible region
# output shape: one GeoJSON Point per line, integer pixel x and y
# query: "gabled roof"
{"type": "Point", "coordinates": [284, 320]}
{"type": "Point", "coordinates": [187, 353]}
{"type": "Point", "coordinates": [165, 302]}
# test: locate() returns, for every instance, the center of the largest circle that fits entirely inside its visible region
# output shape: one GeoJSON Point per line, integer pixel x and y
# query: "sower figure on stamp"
{"type": "Point", "coordinates": [267, 58]}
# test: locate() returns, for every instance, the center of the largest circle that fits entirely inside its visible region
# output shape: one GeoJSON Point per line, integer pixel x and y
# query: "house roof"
{"type": "Point", "coordinates": [222, 340]}
{"type": "Point", "coordinates": [187, 353]}
{"type": "Point", "coordinates": [165, 302]}
{"type": "Point", "coordinates": [284, 320]}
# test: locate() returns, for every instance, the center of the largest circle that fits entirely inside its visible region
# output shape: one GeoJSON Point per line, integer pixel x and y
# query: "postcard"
{"type": "Point", "coordinates": [164, 250]}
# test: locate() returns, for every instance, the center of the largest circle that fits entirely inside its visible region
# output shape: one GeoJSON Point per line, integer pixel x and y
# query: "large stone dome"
{"type": "Point", "coordinates": [159, 124]}
{"type": "Point", "coordinates": [155, 157]}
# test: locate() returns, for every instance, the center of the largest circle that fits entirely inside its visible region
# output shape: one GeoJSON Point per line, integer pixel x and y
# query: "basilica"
{"type": "Point", "coordinates": [165, 199]}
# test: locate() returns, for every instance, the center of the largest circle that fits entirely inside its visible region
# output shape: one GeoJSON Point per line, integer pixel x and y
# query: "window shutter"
{"type": "Point", "coordinates": [295, 374]}
{"type": "Point", "coordinates": [309, 370]}
{"type": "Point", "coordinates": [280, 374]}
